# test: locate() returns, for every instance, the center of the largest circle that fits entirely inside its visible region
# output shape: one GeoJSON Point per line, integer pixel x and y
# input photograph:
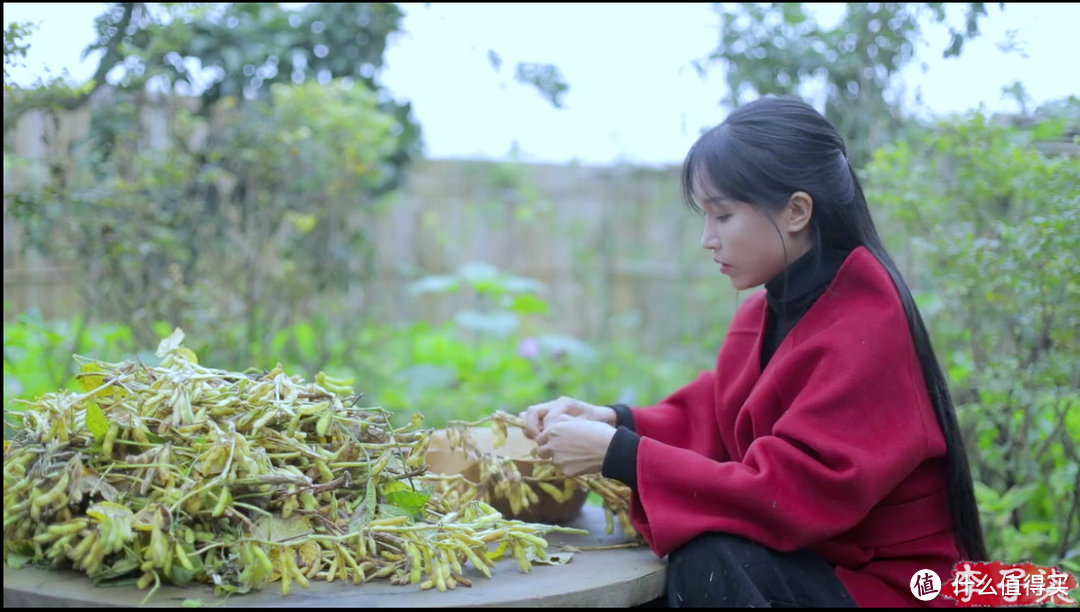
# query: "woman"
{"type": "Point", "coordinates": [820, 463]}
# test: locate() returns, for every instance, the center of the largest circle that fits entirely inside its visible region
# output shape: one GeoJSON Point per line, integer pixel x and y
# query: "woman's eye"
{"type": "Point", "coordinates": [723, 218]}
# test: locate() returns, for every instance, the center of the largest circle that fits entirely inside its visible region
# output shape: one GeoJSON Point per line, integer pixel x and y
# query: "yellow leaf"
{"type": "Point", "coordinates": [308, 554]}
{"type": "Point", "coordinates": [278, 529]}
{"type": "Point", "coordinates": [96, 421]}
{"type": "Point", "coordinates": [90, 377]}
{"type": "Point", "coordinates": [188, 354]}
{"type": "Point", "coordinates": [303, 222]}
{"type": "Point", "coordinates": [395, 485]}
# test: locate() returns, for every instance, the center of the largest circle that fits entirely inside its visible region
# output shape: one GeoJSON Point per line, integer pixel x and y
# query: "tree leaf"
{"type": "Point", "coordinates": [1017, 496]}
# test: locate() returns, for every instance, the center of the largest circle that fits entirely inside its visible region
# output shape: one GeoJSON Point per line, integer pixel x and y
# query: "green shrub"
{"type": "Point", "coordinates": [988, 228]}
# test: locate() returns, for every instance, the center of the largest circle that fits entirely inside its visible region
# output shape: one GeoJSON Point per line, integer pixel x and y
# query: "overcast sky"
{"type": "Point", "coordinates": [633, 96]}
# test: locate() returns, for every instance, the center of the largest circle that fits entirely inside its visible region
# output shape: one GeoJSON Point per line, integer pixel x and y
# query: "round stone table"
{"type": "Point", "coordinates": [619, 577]}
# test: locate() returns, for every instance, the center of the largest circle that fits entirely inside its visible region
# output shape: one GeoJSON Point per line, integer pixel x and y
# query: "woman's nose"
{"type": "Point", "coordinates": [709, 239]}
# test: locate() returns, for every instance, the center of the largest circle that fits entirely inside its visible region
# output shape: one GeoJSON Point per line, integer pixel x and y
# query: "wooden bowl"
{"type": "Point", "coordinates": [442, 460]}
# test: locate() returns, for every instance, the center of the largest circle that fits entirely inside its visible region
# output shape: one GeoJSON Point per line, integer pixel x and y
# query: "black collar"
{"type": "Point", "coordinates": [792, 291]}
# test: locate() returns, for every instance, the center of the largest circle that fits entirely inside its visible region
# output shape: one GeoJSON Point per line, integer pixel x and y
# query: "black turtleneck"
{"type": "Point", "coordinates": [789, 295]}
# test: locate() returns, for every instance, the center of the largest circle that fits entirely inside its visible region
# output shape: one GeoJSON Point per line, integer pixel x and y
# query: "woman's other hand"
{"type": "Point", "coordinates": [538, 416]}
{"type": "Point", "coordinates": [575, 445]}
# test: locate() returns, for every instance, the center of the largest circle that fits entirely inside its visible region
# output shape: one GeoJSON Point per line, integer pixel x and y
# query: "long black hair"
{"type": "Point", "coordinates": [772, 147]}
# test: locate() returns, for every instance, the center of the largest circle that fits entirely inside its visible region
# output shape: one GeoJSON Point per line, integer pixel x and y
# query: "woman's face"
{"type": "Point", "coordinates": [746, 242]}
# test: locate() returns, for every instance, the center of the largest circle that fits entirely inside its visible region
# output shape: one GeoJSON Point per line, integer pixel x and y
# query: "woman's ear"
{"type": "Point", "coordinates": [797, 213]}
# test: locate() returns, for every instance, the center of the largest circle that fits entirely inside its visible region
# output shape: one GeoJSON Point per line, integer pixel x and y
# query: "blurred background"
{"type": "Point", "coordinates": [477, 207]}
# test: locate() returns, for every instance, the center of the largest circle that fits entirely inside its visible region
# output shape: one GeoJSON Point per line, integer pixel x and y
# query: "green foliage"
{"type": "Point", "coordinates": [242, 48]}
{"type": "Point", "coordinates": [238, 52]}
{"type": "Point", "coordinates": [258, 214]}
{"type": "Point", "coordinates": [37, 353]}
{"type": "Point", "coordinates": [496, 356]}
{"type": "Point", "coordinates": [546, 78]}
{"type": "Point", "coordinates": [251, 203]}
{"type": "Point", "coordinates": [53, 92]}
{"type": "Point", "coordinates": [780, 49]}
{"type": "Point", "coordinates": [463, 369]}
{"type": "Point", "coordinates": [444, 374]}
{"type": "Point", "coordinates": [994, 226]}
{"type": "Point", "coordinates": [14, 47]}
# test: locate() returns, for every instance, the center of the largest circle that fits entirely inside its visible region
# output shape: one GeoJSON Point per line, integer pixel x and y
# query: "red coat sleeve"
{"type": "Point", "coordinates": [854, 421]}
{"type": "Point", "coordinates": [685, 418]}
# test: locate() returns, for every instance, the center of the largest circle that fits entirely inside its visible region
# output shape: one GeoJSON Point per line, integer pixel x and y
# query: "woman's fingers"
{"type": "Point", "coordinates": [545, 449]}
{"type": "Point", "coordinates": [575, 446]}
{"type": "Point", "coordinates": [533, 418]}
{"type": "Point", "coordinates": [541, 416]}
{"type": "Point", "coordinates": [544, 452]}
{"type": "Point", "coordinates": [544, 437]}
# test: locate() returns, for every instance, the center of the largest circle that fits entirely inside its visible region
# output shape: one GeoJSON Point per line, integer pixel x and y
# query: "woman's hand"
{"type": "Point", "coordinates": [536, 417]}
{"type": "Point", "coordinates": [575, 445]}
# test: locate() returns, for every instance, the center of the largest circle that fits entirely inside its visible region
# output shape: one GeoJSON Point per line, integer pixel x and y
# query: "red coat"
{"type": "Point", "coordinates": [834, 446]}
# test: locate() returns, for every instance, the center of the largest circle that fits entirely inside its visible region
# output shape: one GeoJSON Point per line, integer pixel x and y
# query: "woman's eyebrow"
{"type": "Point", "coordinates": [718, 201]}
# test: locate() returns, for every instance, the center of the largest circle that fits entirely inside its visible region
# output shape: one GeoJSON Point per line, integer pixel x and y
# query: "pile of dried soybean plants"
{"type": "Point", "coordinates": [180, 473]}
